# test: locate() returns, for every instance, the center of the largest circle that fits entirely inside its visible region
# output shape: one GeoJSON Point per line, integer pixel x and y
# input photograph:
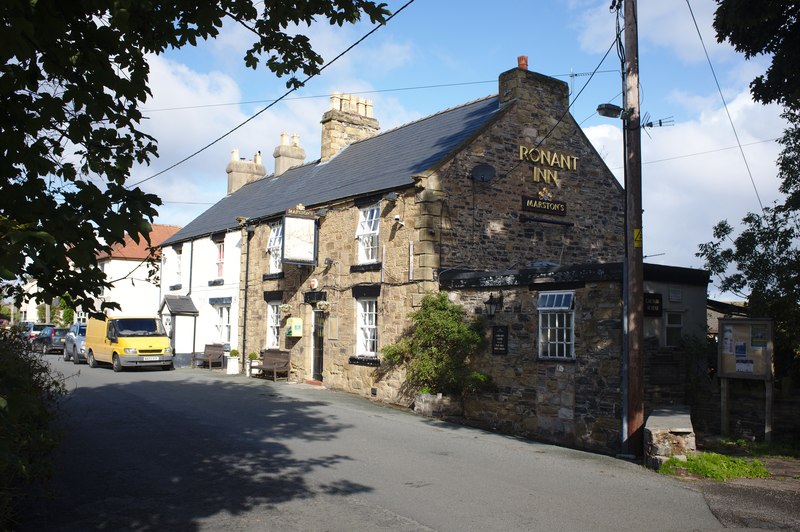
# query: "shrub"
{"type": "Point", "coordinates": [438, 346]}
{"type": "Point", "coordinates": [716, 466]}
{"type": "Point", "coordinates": [29, 403]}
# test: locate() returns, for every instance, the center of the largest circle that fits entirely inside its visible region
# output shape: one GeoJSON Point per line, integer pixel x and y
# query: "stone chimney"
{"type": "Point", "coordinates": [286, 155]}
{"type": "Point", "coordinates": [242, 171]}
{"type": "Point", "coordinates": [348, 120]}
{"type": "Point", "coordinates": [522, 84]}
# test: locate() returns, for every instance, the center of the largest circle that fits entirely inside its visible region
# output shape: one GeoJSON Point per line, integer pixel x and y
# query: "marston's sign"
{"type": "Point", "coordinates": [544, 206]}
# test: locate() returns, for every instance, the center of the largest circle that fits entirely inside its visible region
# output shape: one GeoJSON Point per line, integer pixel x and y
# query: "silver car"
{"type": "Point", "coordinates": [75, 346]}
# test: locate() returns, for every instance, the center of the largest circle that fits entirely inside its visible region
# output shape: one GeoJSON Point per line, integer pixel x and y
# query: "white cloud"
{"type": "Point", "coordinates": [693, 175]}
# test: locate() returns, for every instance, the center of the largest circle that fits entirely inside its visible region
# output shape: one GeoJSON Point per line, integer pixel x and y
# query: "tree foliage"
{"type": "Point", "coordinates": [762, 263]}
{"type": "Point", "coordinates": [73, 80]}
{"type": "Point", "coordinates": [765, 27]}
{"type": "Point", "coordinates": [437, 348]}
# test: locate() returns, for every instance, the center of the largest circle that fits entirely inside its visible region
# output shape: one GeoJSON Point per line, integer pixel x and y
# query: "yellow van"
{"type": "Point", "coordinates": [124, 341]}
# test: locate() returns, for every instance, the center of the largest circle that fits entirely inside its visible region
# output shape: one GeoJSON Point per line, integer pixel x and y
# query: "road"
{"type": "Point", "coordinates": [197, 450]}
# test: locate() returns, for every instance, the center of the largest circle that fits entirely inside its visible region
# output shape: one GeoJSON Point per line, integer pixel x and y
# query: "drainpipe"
{"type": "Point", "coordinates": [189, 295]}
{"type": "Point", "coordinates": [246, 233]}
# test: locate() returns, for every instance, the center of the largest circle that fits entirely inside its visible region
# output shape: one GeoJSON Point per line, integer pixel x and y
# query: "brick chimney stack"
{"type": "Point", "coordinates": [288, 155]}
{"type": "Point", "coordinates": [348, 120]}
{"type": "Point", "coordinates": [243, 171]}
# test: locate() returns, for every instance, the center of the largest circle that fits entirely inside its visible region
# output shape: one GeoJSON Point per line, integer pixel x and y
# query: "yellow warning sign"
{"type": "Point", "coordinates": [637, 238]}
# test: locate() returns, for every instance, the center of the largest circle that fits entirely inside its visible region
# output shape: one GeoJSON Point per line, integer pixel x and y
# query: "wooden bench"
{"type": "Point", "coordinates": [212, 354]}
{"type": "Point", "coordinates": [273, 360]}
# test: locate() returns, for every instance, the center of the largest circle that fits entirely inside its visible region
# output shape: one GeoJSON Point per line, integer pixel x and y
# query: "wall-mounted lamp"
{"type": "Point", "coordinates": [493, 304]}
{"type": "Point", "coordinates": [328, 261]}
{"type": "Point", "coordinates": [391, 196]}
{"type": "Point", "coordinates": [322, 212]}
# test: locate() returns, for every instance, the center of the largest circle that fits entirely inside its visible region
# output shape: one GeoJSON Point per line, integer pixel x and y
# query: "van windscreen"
{"type": "Point", "coordinates": [139, 327]}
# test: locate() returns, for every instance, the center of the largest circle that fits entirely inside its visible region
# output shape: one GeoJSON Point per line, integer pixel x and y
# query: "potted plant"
{"type": "Point", "coordinates": [285, 308]}
{"type": "Point", "coordinates": [324, 306]}
{"type": "Point", "coordinates": [232, 362]}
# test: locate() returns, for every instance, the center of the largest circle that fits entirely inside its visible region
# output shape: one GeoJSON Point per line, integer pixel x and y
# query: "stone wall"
{"type": "Point", "coordinates": [570, 402]}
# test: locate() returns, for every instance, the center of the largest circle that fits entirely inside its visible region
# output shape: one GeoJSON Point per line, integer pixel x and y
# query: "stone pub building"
{"type": "Point", "coordinates": [501, 199]}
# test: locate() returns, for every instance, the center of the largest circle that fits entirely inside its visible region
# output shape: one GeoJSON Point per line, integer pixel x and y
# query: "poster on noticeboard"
{"type": "Point", "coordinates": [745, 348]}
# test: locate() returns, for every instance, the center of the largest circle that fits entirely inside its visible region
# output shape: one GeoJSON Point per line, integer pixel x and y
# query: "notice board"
{"type": "Point", "coordinates": [745, 348]}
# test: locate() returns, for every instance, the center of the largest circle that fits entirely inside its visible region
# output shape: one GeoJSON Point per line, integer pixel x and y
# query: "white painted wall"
{"type": "Point", "coordinates": [135, 294]}
{"type": "Point", "coordinates": [200, 256]}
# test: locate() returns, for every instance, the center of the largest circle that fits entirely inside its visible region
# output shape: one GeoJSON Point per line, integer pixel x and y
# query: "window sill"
{"type": "Point", "coordinates": [555, 359]}
{"type": "Point", "coordinates": [365, 361]}
{"type": "Point", "coordinates": [371, 267]}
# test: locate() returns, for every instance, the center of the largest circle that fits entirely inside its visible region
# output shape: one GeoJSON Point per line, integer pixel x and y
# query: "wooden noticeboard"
{"type": "Point", "coordinates": [745, 349]}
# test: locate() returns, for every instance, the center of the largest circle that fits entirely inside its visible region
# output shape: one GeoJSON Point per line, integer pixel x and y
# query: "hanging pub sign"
{"type": "Point", "coordinates": [299, 237]}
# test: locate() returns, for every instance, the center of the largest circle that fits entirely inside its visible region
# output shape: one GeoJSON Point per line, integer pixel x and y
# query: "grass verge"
{"type": "Point", "coordinates": [716, 466]}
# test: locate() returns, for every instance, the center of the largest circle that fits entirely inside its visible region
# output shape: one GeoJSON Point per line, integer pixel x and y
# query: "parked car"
{"type": "Point", "coordinates": [75, 344]}
{"type": "Point", "coordinates": [31, 330]}
{"type": "Point", "coordinates": [49, 340]}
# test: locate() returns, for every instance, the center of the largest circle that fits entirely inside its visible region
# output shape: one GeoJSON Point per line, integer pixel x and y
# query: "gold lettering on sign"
{"type": "Point", "coordinates": [548, 158]}
{"type": "Point", "coordinates": [546, 175]}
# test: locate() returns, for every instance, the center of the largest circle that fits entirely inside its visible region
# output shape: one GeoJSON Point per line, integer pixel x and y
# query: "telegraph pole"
{"type": "Point", "coordinates": [633, 229]}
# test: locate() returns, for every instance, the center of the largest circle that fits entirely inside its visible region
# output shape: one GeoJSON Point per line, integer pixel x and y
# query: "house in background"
{"type": "Point", "coordinates": [127, 268]}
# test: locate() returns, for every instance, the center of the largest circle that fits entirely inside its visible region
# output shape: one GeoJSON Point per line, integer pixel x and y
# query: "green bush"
{"type": "Point", "coordinates": [437, 349]}
{"type": "Point", "coordinates": [29, 403]}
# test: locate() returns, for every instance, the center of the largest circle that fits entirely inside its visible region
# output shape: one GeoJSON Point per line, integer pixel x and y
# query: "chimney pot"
{"type": "Point", "coordinates": [522, 62]}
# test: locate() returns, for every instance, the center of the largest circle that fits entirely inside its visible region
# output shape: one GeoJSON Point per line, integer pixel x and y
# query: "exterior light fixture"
{"type": "Point", "coordinates": [322, 212]}
{"type": "Point", "coordinates": [391, 196]}
{"type": "Point", "coordinates": [493, 303]}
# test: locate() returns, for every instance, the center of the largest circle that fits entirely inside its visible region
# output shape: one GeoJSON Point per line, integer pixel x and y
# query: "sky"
{"type": "Point", "coordinates": [437, 54]}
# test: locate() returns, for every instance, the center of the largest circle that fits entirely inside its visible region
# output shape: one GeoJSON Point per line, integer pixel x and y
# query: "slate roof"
{"type": "Point", "coordinates": [384, 162]}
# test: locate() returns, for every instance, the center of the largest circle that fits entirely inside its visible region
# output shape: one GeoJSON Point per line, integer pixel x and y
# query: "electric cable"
{"type": "Point", "coordinates": [290, 91]}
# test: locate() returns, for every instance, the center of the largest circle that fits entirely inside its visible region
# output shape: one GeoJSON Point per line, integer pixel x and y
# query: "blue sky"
{"type": "Point", "coordinates": [438, 54]}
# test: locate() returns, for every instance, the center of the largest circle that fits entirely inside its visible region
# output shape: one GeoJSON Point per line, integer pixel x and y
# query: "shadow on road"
{"type": "Point", "coordinates": [167, 455]}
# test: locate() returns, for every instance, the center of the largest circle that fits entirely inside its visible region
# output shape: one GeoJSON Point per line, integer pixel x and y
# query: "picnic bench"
{"type": "Point", "coordinates": [212, 354]}
{"type": "Point", "coordinates": [273, 360]}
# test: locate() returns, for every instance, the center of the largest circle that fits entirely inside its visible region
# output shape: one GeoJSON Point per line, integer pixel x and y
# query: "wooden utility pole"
{"type": "Point", "coordinates": [633, 229]}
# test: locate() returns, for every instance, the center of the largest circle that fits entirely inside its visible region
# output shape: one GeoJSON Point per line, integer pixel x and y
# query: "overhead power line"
{"type": "Point", "coordinates": [725, 104]}
{"type": "Point", "coordinates": [287, 93]}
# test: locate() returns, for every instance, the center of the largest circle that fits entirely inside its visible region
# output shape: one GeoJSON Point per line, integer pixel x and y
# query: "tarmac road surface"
{"type": "Point", "coordinates": [195, 449]}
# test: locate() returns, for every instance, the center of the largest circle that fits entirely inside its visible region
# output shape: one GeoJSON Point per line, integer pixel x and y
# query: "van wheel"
{"type": "Point", "coordinates": [90, 359]}
{"type": "Point", "coordinates": [75, 358]}
{"type": "Point", "coordinates": [117, 364]}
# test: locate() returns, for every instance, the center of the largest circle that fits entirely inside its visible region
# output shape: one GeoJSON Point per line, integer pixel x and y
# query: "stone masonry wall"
{"type": "Point", "coordinates": [484, 224]}
{"type": "Point", "coordinates": [570, 402]}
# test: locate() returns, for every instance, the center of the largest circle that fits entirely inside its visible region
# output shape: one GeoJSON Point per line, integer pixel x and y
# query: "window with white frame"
{"type": "Point", "coordinates": [367, 342]}
{"type": "Point", "coordinates": [674, 325]}
{"type": "Point", "coordinates": [367, 234]}
{"type": "Point", "coordinates": [273, 324]}
{"type": "Point", "coordinates": [275, 247]}
{"type": "Point", "coordinates": [224, 324]}
{"type": "Point", "coordinates": [556, 325]}
{"type": "Point", "coordinates": [220, 258]}
{"type": "Point", "coordinates": [81, 317]}
{"type": "Point", "coordinates": [178, 261]}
